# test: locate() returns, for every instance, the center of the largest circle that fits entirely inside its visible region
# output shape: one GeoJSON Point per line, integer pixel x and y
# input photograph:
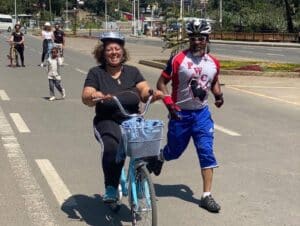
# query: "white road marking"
{"type": "Point", "coordinates": [3, 95]}
{"type": "Point", "coordinates": [81, 71]}
{"type": "Point", "coordinates": [263, 95]}
{"type": "Point", "coordinates": [275, 54]}
{"type": "Point", "coordinates": [273, 49]}
{"type": "Point", "coordinates": [227, 131]}
{"type": "Point", "coordinates": [245, 51]}
{"type": "Point", "coordinates": [56, 184]}
{"type": "Point", "coordinates": [19, 122]}
{"type": "Point", "coordinates": [264, 87]}
{"type": "Point", "coordinates": [29, 190]}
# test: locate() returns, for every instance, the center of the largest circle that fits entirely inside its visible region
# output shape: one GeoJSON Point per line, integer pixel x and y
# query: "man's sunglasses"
{"type": "Point", "coordinates": [201, 38]}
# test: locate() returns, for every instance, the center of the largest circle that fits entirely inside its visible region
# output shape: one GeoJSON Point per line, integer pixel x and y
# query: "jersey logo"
{"type": "Point", "coordinates": [203, 77]}
{"type": "Point", "coordinates": [189, 64]}
{"type": "Point", "coordinates": [197, 70]}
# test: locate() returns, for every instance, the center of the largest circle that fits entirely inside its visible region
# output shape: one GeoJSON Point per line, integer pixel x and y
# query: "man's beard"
{"type": "Point", "coordinates": [198, 51]}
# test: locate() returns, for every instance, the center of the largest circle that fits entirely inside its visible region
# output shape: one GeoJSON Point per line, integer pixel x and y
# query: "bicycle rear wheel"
{"type": "Point", "coordinates": [145, 213]}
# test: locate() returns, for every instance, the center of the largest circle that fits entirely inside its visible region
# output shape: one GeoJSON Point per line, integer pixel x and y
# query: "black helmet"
{"type": "Point", "coordinates": [198, 27]}
{"type": "Point", "coordinates": [112, 36]}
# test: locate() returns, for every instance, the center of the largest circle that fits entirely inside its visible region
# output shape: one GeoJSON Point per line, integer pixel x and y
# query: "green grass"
{"type": "Point", "coordinates": [265, 66]}
{"type": "Point", "coordinates": [247, 65]}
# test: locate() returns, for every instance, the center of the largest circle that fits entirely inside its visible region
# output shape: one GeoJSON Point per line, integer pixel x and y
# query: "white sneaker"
{"type": "Point", "coordinates": [42, 65]}
{"type": "Point", "coordinates": [63, 93]}
{"type": "Point", "coordinates": [52, 98]}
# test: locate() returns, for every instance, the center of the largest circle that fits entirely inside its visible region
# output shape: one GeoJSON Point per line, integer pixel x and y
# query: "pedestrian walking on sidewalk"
{"type": "Point", "coordinates": [54, 75]}
{"type": "Point", "coordinates": [193, 73]}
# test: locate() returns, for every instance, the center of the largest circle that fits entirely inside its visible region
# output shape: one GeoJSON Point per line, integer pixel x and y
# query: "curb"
{"type": "Point", "coordinates": [233, 72]}
{"type": "Point", "coordinates": [272, 44]}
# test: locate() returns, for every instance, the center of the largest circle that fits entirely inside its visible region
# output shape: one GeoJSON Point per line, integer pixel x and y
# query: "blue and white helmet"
{"type": "Point", "coordinates": [198, 27]}
{"type": "Point", "coordinates": [112, 36]}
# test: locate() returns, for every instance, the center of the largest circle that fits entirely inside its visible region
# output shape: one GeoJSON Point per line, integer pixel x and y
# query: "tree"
{"type": "Point", "coordinates": [289, 20]}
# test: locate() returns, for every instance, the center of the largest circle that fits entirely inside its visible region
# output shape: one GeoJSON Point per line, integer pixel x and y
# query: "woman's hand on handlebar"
{"type": "Point", "coordinates": [100, 97]}
{"type": "Point", "coordinates": [157, 95]}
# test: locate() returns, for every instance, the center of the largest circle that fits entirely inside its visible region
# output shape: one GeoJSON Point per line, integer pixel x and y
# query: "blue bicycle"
{"type": "Point", "coordinates": [141, 141]}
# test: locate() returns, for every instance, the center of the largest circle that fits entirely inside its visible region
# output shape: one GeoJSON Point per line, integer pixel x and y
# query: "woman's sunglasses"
{"type": "Point", "coordinates": [200, 38]}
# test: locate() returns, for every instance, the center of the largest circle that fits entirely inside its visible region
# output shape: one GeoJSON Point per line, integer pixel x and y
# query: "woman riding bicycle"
{"type": "Point", "coordinates": [48, 37]}
{"type": "Point", "coordinates": [113, 77]}
{"type": "Point", "coordinates": [17, 39]}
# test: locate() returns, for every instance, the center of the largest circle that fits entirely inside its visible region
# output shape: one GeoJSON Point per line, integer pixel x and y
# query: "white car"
{"type": "Point", "coordinates": [6, 22]}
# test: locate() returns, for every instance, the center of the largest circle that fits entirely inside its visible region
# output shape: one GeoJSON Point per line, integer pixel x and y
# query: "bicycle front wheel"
{"type": "Point", "coordinates": [145, 213]}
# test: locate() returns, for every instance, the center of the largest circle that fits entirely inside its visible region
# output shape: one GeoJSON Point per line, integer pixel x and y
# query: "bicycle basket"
{"type": "Point", "coordinates": [142, 137]}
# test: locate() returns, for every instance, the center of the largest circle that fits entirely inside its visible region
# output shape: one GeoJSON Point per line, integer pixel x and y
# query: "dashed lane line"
{"type": "Point", "coordinates": [58, 187]}
{"type": "Point", "coordinates": [264, 87]}
{"type": "Point", "coordinates": [20, 123]}
{"type": "Point", "coordinates": [29, 189]}
{"type": "Point", "coordinates": [275, 54]}
{"type": "Point", "coordinates": [226, 131]}
{"type": "Point", "coordinates": [81, 71]}
{"type": "Point", "coordinates": [3, 95]}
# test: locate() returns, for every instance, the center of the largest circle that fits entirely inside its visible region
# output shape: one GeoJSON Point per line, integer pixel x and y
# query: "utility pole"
{"type": "Point", "coordinates": [221, 13]}
{"type": "Point", "coordinates": [138, 16]}
{"type": "Point", "coordinates": [181, 9]}
{"type": "Point", "coordinates": [181, 20]}
{"type": "Point", "coordinates": [16, 12]}
{"type": "Point", "coordinates": [105, 15]}
{"type": "Point", "coordinates": [67, 12]}
{"type": "Point", "coordinates": [134, 20]}
{"type": "Point", "coordinates": [50, 9]}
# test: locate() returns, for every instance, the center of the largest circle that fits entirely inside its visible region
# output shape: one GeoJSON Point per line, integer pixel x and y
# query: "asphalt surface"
{"type": "Point", "coordinates": [261, 51]}
{"type": "Point", "coordinates": [51, 172]}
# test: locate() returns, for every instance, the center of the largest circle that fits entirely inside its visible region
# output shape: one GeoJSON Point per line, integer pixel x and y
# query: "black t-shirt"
{"type": "Point", "coordinates": [124, 88]}
{"type": "Point", "coordinates": [59, 36]}
{"type": "Point", "coordinates": [17, 37]}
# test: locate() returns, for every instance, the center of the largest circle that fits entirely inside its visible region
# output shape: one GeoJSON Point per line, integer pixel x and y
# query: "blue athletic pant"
{"type": "Point", "coordinates": [197, 124]}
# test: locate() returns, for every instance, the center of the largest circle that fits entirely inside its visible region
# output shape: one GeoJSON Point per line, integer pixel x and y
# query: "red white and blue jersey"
{"type": "Point", "coordinates": [184, 67]}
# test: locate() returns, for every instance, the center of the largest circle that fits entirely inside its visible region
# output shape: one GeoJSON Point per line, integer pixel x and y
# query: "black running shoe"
{"type": "Point", "coordinates": [158, 166]}
{"type": "Point", "coordinates": [210, 204]}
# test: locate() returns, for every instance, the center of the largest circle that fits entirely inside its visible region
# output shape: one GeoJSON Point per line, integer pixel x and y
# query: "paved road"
{"type": "Point", "coordinates": [50, 171]}
{"type": "Point", "coordinates": [266, 51]}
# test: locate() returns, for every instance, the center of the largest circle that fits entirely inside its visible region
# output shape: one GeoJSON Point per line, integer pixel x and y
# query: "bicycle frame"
{"type": "Point", "coordinates": [135, 172]}
{"type": "Point", "coordinates": [13, 54]}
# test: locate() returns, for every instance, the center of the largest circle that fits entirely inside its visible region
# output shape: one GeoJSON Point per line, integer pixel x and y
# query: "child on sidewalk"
{"type": "Point", "coordinates": [54, 75]}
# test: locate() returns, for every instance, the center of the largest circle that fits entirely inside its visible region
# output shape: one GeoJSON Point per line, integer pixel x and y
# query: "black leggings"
{"type": "Point", "coordinates": [110, 134]}
{"type": "Point", "coordinates": [20, 50]}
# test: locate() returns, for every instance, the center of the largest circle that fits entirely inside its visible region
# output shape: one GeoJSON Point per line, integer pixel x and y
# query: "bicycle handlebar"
{"type": "Point", "coordinates": [123, 111]}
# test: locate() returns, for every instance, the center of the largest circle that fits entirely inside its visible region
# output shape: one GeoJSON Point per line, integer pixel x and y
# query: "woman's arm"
{"type": "Point", "coordinates": [23, 39]}
{"type": "Point", "coordinates": [89, 94]}
{"type": "Point", "coordinates": [11, 39]}
{"type": "Point", "coordinates": [144, 88]}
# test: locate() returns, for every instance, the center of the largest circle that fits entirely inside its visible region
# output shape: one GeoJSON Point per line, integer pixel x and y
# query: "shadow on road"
{"type": "Point", "coordinates": [180, 191]}
{"type": "Point", "coordinates": [93, 211]}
